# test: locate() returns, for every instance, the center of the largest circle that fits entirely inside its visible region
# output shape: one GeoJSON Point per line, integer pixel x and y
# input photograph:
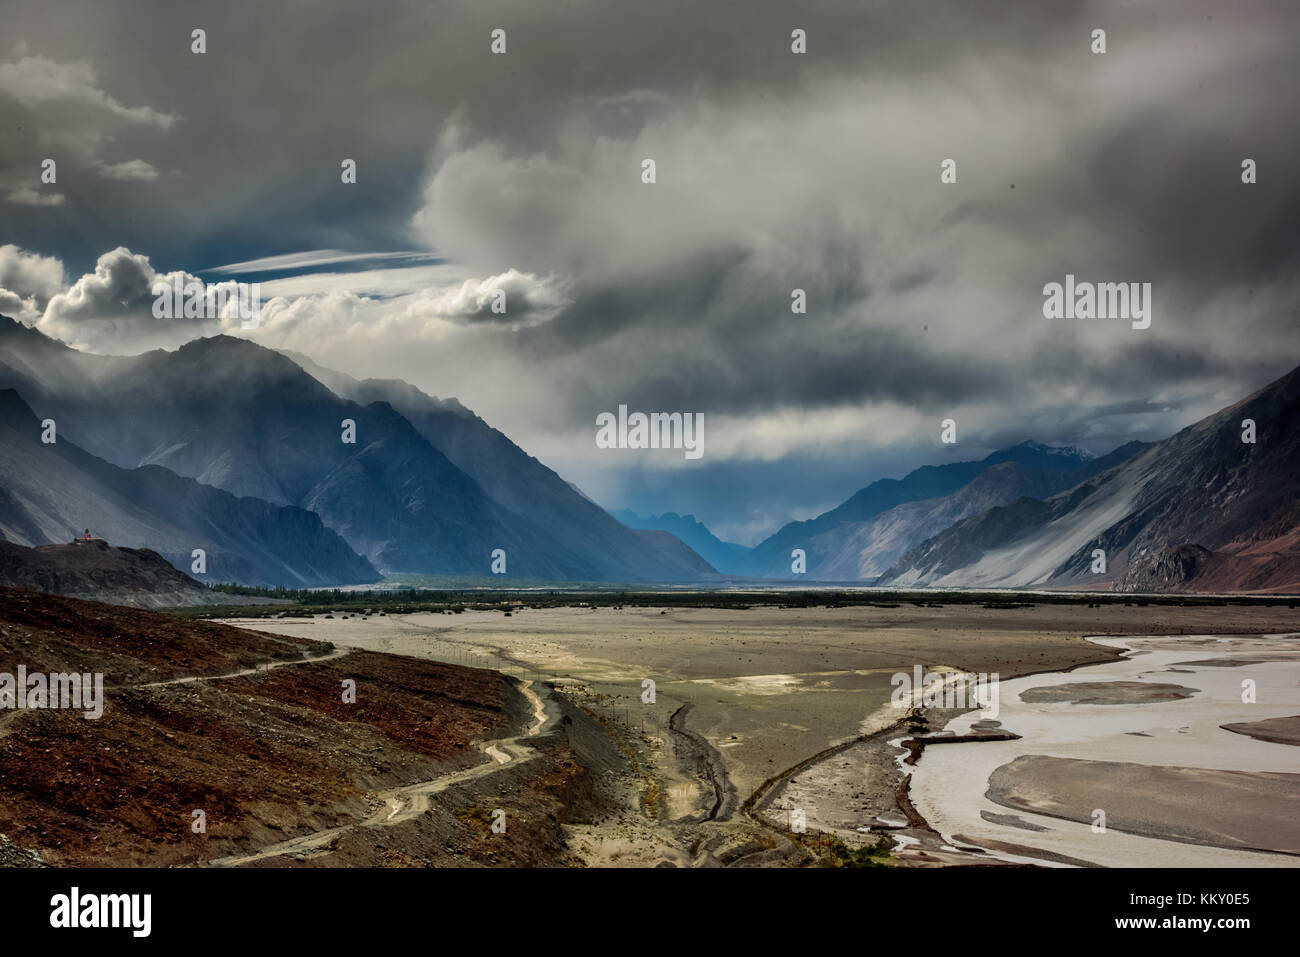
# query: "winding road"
{"type": "Point", "coordinates": [412, 800]}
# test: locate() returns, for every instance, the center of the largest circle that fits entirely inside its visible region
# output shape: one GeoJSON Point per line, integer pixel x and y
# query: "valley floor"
{"type": "Point", "coordinates": [763, 716]}
{"type": "Point", "coordinates": [656, 737]}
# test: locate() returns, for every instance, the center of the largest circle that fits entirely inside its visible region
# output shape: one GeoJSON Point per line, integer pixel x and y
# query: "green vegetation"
{"type": "Point", "coordinates": [477, 815]}
{"type": "Point", "coordinates": [872, 855]}
{"type": "Point", "coordinates": [400, 595]}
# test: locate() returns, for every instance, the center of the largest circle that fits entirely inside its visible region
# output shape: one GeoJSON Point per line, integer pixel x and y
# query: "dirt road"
{"type": "Point", "coordinates": [399, 805]}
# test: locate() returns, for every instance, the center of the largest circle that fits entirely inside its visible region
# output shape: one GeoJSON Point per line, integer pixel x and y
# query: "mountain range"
{"type": "Point", "coordinates": [50, 492]}
{"type": "Point", "coordinates": [861, 538]}
{"type": "Point", "coordinates": [287, 473]}
{"type": "Point", "coordinates": [236, 417]}
{"type": "Point", "coordinates": [726, 557]}
{"type": "Point", "coordinates": [1203, 510]}
{"type": "Point", "coordinates": [521, 483]}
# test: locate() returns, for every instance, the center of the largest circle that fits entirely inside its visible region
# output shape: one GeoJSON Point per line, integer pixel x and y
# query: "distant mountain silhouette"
{"type": "Point", "coordinates": [852, 540]}
{"type": "Point", "coordinates": [726, 557]}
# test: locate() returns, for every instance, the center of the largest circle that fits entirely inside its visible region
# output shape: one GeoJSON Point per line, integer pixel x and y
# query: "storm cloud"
{"type": "Point", "coordinates": [774, 172]}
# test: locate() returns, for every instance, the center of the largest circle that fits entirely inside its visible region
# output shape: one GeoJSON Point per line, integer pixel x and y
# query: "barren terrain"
{"type": "Point", "coordinates": [765, 711]}
{"type": "Point", "coordinates": [252, 730]}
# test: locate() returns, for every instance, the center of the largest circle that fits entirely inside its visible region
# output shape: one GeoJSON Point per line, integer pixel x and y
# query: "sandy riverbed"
{"type": "Point", "coordinates": [1171, 786]}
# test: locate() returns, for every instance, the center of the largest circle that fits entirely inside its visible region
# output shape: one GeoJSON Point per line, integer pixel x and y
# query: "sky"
{"type": "Point", "coordinates": [522, 171]}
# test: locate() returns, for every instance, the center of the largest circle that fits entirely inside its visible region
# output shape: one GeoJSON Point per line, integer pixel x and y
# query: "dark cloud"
{"type": "Point", "coordinates": [775, 172]}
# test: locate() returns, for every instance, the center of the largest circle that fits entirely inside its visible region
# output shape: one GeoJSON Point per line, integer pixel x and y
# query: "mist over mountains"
{"type": "Point", "coordinates": [727, 557]}
{"type": "Point", "coordinates": [229, 447]}
{"type": "Point", "coordinates": [237, 417]}
{"type": "Point", "coordinates": [51, 492]}
{"type": "Point", "coordinates": [521, 483]}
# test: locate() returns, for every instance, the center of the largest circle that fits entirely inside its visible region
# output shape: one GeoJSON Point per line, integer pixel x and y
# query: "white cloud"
{"type": "Point", "coordinates": [30, 274]}
{"type": "Point", "coordinates": [27, 196]}
{"type": "Point", "coordinates": [36, 81]}
{"type": "Point", "coordinates": [527, 298]}
{"type": "Point", "coordinates": [136, 169]}
{"type": "Point", "coordinates": [368, 283]}
{"type": "Point", "coordinates": [317, 257]}
{"type": "Point", "coordinates": [15, 307]}
{"type": "Point", "coordinates": [324, 315]}
{"type": "Point", "coordinates": [70, 120]}
{"type": "Point", "coordinates": [110, 311]}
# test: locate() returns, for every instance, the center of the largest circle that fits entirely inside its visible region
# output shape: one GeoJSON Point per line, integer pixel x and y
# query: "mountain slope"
{"type": "Point", "coordinates": [521, 483]}
{"type": "Point", "coordinates": [865, 550]}
{"type": "Point", "coordinates": [251, 421]}
{"type": "Point", "coordinates": [50, 492]}
{"type": "Point", "coordinates": [140, 578]}
{"type": "Point", "coordinates": [771, 557]}
{"type": "Point", "coordinates": [1201, 510]}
